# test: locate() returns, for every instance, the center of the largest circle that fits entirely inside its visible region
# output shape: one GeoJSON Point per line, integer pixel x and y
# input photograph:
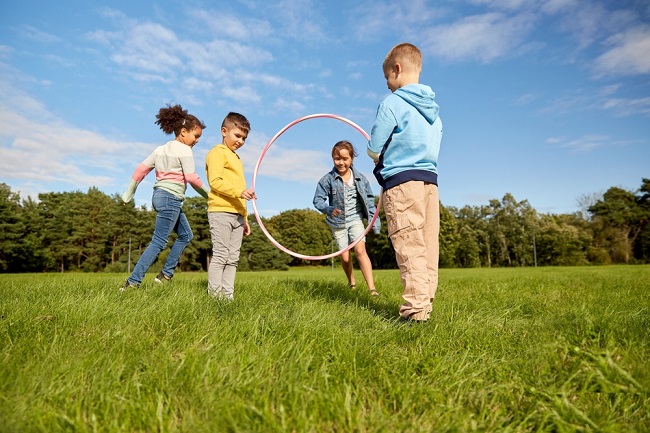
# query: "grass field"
{"type": "Point", "coordinates": [515, 350]}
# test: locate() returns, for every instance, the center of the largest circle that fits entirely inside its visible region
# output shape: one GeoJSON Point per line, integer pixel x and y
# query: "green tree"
{"type": "Point", "coordinates": [12, 231]}
{"type": "Point", "coordinates": [57, 213]}
{"type": "Point", "coordinates": [511, 225]}
{"type": "Point", "coordinates": [379, 248]}
{"type": "Point", "coordinates": [468, 253]}
{"type": "Point", "coordinates": [476, 221]}
{"type": "Point", "coordinates": [259, 254]}
{"type": "Point", "coordinates": [449, 239]}
{"type": "Point", "coordinates": [303, 231]}
{"type": "Point", "coordinates": [642, 241]}
{"type": "Point", "coordinates": [38, 255]}
{"type": "Point", "coordinates": [562, 240]}
{"type": "Point", "coordinates": [618, 219]}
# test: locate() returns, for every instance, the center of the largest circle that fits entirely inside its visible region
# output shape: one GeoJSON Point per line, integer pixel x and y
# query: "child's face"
{"type": "Point", "coordinates": [190, 137]}
{"type": "Point", "coordinates": [342, 161]}
{"type": "Point", "coordinates": [391, 74]}
{"type": "Point", "coordinates": [233, 137]}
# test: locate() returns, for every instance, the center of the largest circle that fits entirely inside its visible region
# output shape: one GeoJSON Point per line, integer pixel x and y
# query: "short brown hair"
{"type": "Point", "coordinates": [344, 144]}
{"type": "Point", "coordinates": [407, 55]}
{"type": "Point", "coordinates": [237, 120]}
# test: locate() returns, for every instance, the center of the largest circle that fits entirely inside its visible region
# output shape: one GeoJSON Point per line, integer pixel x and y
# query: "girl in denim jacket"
{"type": "Point", "coordinates": [345, 197]}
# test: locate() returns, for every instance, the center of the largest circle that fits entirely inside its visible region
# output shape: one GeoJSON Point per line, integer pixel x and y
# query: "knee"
{"type": "Point", "coordinates": [360, 250]}
{"type": "Point", "coordinates": [186, 237]}
{"type": "Point", "coordinates": [158, 241]}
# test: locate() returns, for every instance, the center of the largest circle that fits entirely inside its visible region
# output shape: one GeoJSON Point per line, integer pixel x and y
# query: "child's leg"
{"type": "Point", "coordinates": [346, 264]}
{"type": "Point", "coordinates": [230, 269]}
{"type": "Point", "coordinates": [405, 210]}
{"type": "Point", "coordinates": [341, 239]}
{"type": "Point", "coordinates": [168, 208]}
{"type": "Point", "coordinates": [185, 235]}
{"type": "Point", "coordinates": [220, 233]}
{"type": "Point", "coordinates": [364, 264]}
{"type": "Point", "coordinates": [431, 236]}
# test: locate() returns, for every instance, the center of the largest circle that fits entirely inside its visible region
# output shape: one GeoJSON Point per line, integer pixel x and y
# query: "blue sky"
{"type": "Point", "coordinates": [548, 100]}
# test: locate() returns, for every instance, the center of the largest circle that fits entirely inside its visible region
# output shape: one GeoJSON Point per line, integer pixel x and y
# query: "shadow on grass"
{"type": "Point", "coordinates": [341, 293]}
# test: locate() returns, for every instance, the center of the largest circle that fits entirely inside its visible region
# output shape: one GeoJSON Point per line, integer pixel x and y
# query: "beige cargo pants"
{"type": "Point", "coordinates": [413, 216]}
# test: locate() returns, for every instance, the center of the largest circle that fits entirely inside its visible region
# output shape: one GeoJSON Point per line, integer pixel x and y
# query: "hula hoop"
{"type": "Point", "coordinates": [257, 167]}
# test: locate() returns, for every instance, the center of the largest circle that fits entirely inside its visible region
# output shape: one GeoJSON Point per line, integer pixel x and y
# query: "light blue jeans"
{"type": "Point", "coordinates": [170, 217]}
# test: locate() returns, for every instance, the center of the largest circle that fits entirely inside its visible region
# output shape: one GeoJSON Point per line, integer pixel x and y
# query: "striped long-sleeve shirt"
{"type": "Point", "coordinates": [174, 164]}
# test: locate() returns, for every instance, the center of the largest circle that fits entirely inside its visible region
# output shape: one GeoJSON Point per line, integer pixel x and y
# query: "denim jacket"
{"type": "Point", "coordinates": [330, 195]}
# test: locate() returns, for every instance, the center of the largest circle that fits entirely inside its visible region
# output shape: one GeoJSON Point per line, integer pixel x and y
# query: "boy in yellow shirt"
{"type": "Point", "coordinates": [227, 213]}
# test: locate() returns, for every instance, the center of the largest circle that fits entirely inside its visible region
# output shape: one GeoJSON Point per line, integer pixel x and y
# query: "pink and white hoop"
{"type": "Point", "coordinates": [257, 167]}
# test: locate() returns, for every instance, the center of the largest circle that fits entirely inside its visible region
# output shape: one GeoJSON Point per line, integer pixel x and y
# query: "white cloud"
{"type": "Point", "coordinates": [224, 24]}
{"type": "Point", "coordinates": [599, 99]}
{"type": "Point", "coordinates": [193, 84]}
{"type": "Point", "coordinates": [38, 35]}
{"type": "Point", "coordinates": [55, 152]}
{"type": "Point", "coordinates": [35, 154]}
{"type": "Point", "coordinates": [555, 6]}
{"type": "Point", "coordinates": [502, 4]}
{"type": "Point", "coordinates": [303, 165]}
{"type": "Point", "coordinates": [628, 107]}
{"type": "Point", "coordinates": [300, 19]}
{"type": "Point", "coordinates": [292, 106]}
{"type": "Point", "coordinates": [377, 18]}
{"type": "Point", "coordinates": [628, 53]}
{"type": "Point", "coordinates": [587, 143]}
{"type": "Point", "coordinates": [5, 51]}
{"type": "Point", "coordinates": [482, 37]}
{"type": "Point", "coordinates": [153, 51]}
{"type": "Point", "coordinates": [241, 94]}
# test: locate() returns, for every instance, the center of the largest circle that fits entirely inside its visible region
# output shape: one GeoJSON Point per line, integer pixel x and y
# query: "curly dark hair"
{"type": "Point", "coordinates": [173, 118]}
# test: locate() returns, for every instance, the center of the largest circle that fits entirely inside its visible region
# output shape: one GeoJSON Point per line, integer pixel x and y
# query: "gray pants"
{"type": "Point", "coordinates": [226, 231]}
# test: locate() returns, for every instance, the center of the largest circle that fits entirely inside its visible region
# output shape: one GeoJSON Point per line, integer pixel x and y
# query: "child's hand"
{"type": "Point", "coordinates": [336, 212]}
{"type": "Point", "coordinates": [247, 229]}
{"type": "Point", "coordinates": [248, 194]}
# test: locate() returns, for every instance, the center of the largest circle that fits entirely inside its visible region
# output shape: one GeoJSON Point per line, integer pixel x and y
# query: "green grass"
{"type": "Point", "coordinates": [515, 350]}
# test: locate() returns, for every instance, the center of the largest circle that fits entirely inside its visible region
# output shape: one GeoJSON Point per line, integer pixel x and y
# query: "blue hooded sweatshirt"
{"type": "Point", "coordinates": [405, 139]}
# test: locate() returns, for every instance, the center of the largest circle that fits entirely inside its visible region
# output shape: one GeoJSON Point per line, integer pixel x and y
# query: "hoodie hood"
{"type": "Point", "coordinates": [421, 97]}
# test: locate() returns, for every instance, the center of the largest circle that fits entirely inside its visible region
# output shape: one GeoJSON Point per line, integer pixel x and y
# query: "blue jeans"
{"type": "Point", "coordinates": [170, 217]}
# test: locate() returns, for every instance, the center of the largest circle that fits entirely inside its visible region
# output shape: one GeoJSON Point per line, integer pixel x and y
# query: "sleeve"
{"type": "Point", "coordinates": [370, 202]}
{"type": "Point", "coordinates": [189, 172]}
{"type": "Point", "coordinates": [215, 164]}
{"type": "Point", "coordinates": [141, 171]}
{"type": "Point", "coordinates": [385, 123]}
{"type": "Point", "coordinates": [198, 186]}
{"type": "Point", "coordinates": [321, 196]}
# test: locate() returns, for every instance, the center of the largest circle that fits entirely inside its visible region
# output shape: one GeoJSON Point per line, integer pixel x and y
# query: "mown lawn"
{"type": "Point", "coordinates": [516, 350]}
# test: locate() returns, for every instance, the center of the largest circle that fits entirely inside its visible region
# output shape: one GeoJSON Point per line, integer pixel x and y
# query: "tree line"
{"type": "Point", "coordinates": [93, 232]}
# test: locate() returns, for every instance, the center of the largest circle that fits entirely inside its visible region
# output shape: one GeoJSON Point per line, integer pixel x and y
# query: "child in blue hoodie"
{"type": "Point", "coordinates": [404, 143]}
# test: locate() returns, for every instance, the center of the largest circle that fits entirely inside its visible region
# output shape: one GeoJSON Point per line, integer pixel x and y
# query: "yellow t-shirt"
{"type": "Point", "coordinates": [225, 173]}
